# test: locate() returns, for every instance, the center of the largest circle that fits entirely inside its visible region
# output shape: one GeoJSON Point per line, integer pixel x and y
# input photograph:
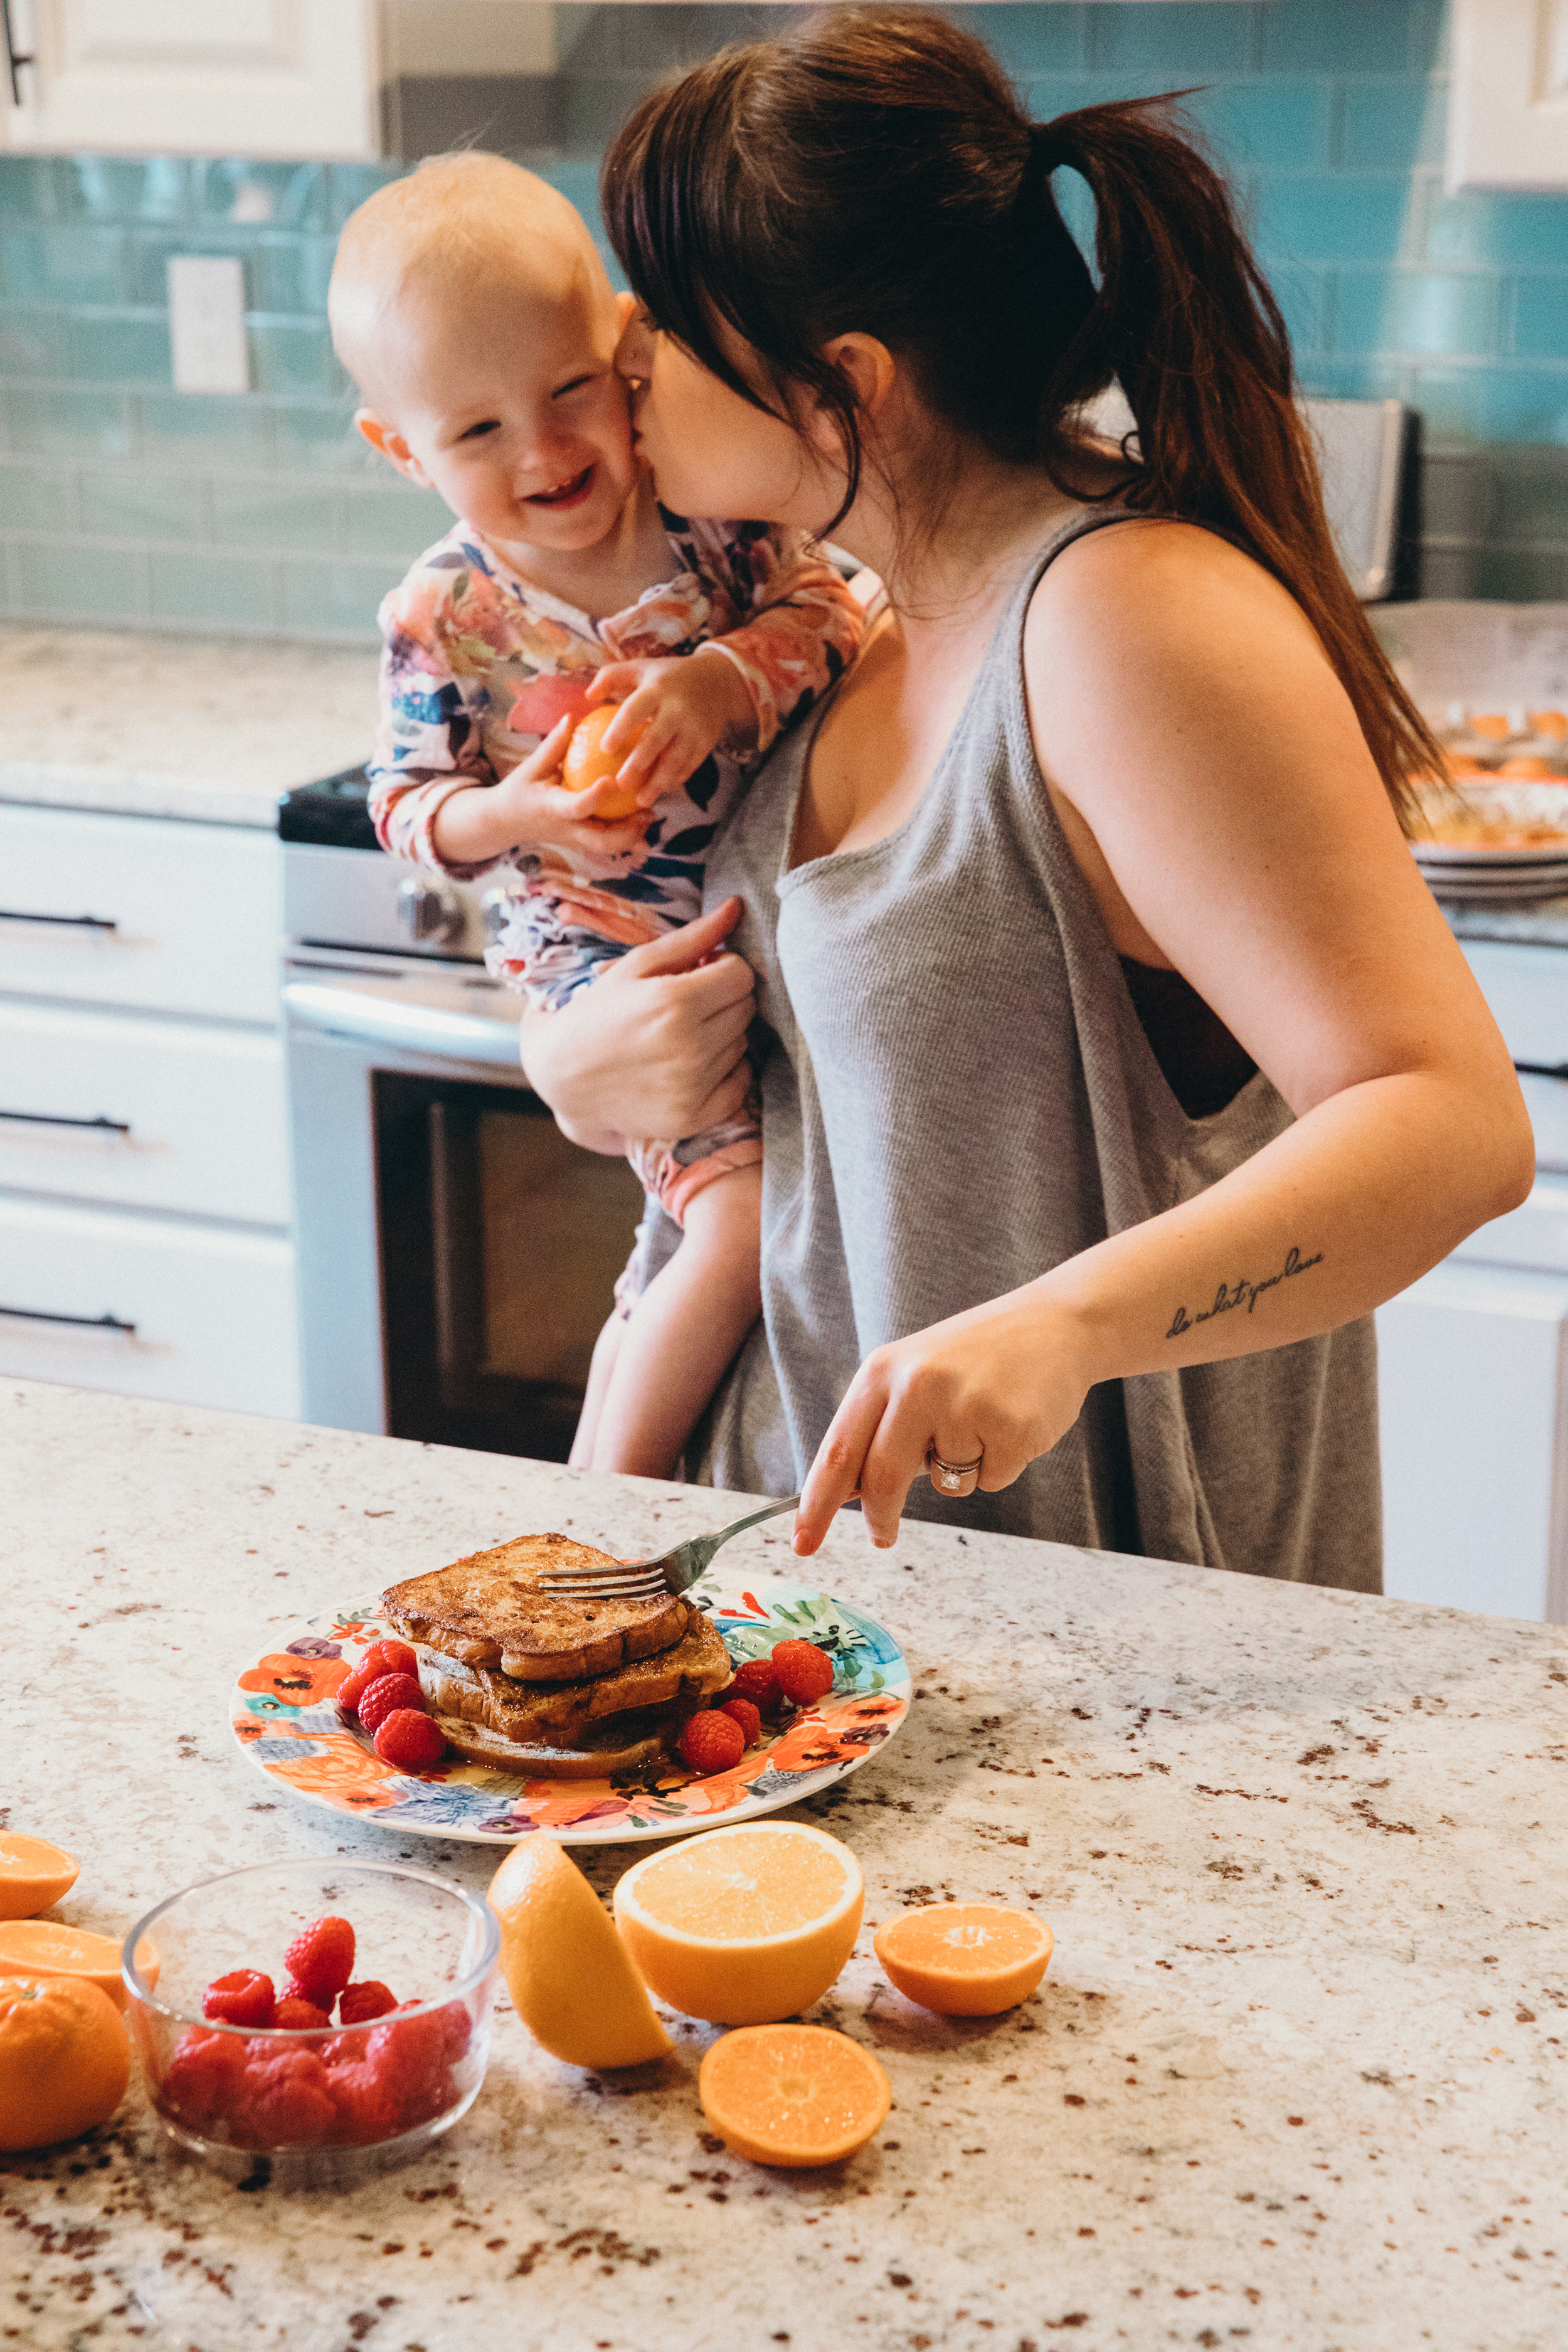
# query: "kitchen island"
{"type": "Point", "coordinates": [1296, 2077]}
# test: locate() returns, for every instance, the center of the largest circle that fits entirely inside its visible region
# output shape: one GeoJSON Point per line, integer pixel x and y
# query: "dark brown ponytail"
{"type": "Point", "coordinates": [874, 172]}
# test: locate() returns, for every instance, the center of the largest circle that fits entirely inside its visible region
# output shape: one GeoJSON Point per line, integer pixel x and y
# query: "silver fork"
{"type": "Point", "coordinates": [645, 1579]}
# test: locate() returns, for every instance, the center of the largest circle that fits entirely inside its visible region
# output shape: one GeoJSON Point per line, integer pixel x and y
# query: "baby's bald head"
{"type": "Point", "coordinates": [470, 224]}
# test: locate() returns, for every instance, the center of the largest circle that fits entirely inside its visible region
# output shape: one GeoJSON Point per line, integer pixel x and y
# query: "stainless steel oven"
{"type": "Point", "coordinates": [455, 1255]}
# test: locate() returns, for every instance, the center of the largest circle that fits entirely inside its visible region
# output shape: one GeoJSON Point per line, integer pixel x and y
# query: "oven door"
{"type": "Point", "coordinates": [457, 1255]}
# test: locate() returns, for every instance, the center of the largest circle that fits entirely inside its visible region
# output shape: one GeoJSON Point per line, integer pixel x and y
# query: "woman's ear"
{"type": "Point", "coordinates": [869, 365]}
{"type": "Point", "coordinates": [392, 445]}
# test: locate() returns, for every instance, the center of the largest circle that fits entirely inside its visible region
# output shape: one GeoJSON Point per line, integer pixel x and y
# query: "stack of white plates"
{"type": "Point", "coordinates": [1465, 872]}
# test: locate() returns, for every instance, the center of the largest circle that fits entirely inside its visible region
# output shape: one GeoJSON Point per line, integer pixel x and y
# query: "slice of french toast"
{"type": "Point", "coordinates": [627, 1743]}
{"type": "Point", "coordinates": [563, 1715]}
{"type": "Point", "coordinates": [487, 1609]}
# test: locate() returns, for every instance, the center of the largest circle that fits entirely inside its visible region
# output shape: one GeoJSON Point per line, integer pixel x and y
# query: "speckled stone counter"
{"type": "Point", "coordinates": [1296, 2077]}
{"type": "Point", "coordinates": [210, 729]}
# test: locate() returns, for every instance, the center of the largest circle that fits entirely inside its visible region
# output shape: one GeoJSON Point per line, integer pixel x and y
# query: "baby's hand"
{"type": "Point", "coordinates": [688, 706]}
{"type": "Point", "coordinates": [535, 811]}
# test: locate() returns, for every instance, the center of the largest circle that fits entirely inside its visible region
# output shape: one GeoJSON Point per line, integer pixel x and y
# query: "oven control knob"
{"type": "Point", "coordinates": [494, 912]}
{"type": "Point", "coordinates": [430, 910]}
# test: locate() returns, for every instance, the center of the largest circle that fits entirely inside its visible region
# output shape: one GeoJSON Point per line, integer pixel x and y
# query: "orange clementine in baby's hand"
{"type": "Point", "coordinates": [65, 2059]}
{"type": "Point", "coordinates": [964, 1960]}
{"type": "Point", "coordinates": [588, 763]}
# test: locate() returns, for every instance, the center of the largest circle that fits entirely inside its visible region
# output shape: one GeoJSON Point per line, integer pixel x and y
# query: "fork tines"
{"type": "Point", "coordinates": [594, 1584]}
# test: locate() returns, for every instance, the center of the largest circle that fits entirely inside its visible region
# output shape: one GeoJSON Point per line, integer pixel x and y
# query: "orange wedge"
{"type": "Point", "coordinates": [743, 1926]}
{"type": "Point", "coordinates": [567, 1970]}
{"type": "Point", "coordinates": [33, 1875]}
{"type": "Point", "coordinates": [793, 2094]}
{"type": "Point", "coordinates": [43, 1948]}
{"type": "Point", "coordinates": [964, 1960]}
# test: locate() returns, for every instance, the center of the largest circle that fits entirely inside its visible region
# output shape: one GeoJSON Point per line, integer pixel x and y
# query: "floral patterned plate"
{"type": "Point", "coordinates": [283, 1717]}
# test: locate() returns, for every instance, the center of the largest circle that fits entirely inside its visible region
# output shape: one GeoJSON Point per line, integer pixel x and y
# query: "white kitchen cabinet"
{"type": "Point", "coordinates": [142, 911]}
{"type": "Point", "coordinates": [262, 78]}
{"type": "Point", "coordinates": [150, 1307]}
{"type": "Point", "coordinates": [144, 1209]}
{"type": "Point", "coordinates": [1508, 97]}
{"type": "Point", "coordinates": [1474, 1414]}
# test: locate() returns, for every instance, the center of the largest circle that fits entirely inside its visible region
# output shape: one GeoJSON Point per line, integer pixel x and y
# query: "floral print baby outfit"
{"type": "Point", "coordinates": [478, 665]}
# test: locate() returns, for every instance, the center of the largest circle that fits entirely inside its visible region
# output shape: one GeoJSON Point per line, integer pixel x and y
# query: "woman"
{"type": "Point", "coordinates": [1120, 1062]}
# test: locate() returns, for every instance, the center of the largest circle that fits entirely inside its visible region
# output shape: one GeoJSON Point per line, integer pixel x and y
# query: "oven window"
{"type": "Point", "coordinates": [500, 1242]}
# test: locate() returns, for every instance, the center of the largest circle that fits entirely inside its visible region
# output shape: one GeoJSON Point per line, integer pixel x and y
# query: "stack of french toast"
{"type": "Point", "coordinates": [546, 1683]}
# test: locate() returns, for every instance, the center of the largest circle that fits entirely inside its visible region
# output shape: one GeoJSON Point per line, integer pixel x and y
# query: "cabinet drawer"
{"type": "Point", "coordinates": [188, 1119]}
{"type": "Point", "coordinates": [138, 911]}
{"type": "Point", "coordinates": [211, 1313]}
{"type": "Point", "coordinates": [1527, 989]}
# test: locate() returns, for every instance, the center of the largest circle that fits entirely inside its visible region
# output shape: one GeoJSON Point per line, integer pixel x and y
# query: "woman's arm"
{"type": "Point", "coordinates": [655, 1046]}
{"type": "Point", "coordinates": [1209, 773]}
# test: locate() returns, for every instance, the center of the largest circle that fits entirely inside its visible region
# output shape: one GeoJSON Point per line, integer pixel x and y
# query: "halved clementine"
{"type": "Point", "coordinates": [65, 2059]}
{"type": "Point", "coordinates": [793, 2094]}
{"type": "Point", "coordinates": [570, 1979]}
{"type": "Point", "coordinates": [33, 1875]}
{"type": "Point", "coordinates": [46, 1947]}
{"type": "Point", "coordinates": [964, 1960]}
{"type": "Point", "coordinates": [743, 1926]}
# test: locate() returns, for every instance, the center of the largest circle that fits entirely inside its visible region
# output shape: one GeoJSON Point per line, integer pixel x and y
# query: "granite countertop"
{"type": "Point", "coordinates": [1296, 2077]}
{"type": "Point", "coordinates": [211, 729]}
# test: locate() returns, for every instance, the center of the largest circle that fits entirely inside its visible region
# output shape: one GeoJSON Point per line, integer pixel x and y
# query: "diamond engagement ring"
{"type": "Point", "coordinates": [952, 1477]}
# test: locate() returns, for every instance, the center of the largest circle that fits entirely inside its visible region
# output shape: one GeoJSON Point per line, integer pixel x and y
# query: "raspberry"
{"type": "Point", "coordinates": [353, 1688]}
{"type": "Point", "coordinates": [392, 1657]}
{"type": "Point", "coordinates": [295, 2014]}
{"type": "Point", "coordinates": [342, 2050]}
{"type": "Point", "coordinates": [203, 2079]}
{"type": "Point", "coordinates": [457, 2029]}
{"type": "Point", "coordinates": [409, 2056]}
{"type": "Point", "coordinates": [320, 1961]}
{"type": "Point", "coordinates": [409, 1739]}
{"type": "Point", "coordinates": [241, 1998]}
{"type": "Point", "coordinates": [360, 2002]}
{"type": "Point", "coordinates": [742, 1711]}
{"type": "Point", "coordinates": [384, 1697]}
{"type": "Point", "coordinates": [759, 1682]}
{"type": "Point", "coordinates": [712, 1742]}
{"type": "Point", "coordinates": [805, 1671]}
{"type": "Point", "coordinates": [286, 2102]}
{"type": "Point", "coordinates": [366, 2108]}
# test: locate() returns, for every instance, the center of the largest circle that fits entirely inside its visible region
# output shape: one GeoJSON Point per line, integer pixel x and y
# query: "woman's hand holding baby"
{"type": "Point", "coordinates": [686, 708]}
{"type": "Point", "coordinates": [656, 1046]}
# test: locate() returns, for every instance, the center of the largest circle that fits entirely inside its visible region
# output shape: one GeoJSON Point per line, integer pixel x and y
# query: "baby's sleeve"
{"type": "Point", "coordinates": [430, 741]}
{"type": "Point", "coordinates": [806, 625]}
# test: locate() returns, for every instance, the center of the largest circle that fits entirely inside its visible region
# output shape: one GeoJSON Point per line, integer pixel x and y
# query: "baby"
{"type": "Point", "coordinates": [472, 308]}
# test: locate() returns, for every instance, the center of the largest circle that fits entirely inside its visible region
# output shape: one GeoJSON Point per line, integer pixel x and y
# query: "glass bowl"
{"type": "Point", "coordinates": [326, 2106]}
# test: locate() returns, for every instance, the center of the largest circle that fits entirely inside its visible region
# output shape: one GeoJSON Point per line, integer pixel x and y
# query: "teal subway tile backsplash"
{"type": "Point", "coordinates": [123, 501]}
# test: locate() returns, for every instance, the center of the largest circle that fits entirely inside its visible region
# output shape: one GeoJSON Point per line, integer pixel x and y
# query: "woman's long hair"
{"type": "Point", "coordinates": [875, 173]}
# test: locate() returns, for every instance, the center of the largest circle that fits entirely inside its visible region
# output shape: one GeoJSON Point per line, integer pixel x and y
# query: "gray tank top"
{"type": "Point", "coordinates": [957, 1094]}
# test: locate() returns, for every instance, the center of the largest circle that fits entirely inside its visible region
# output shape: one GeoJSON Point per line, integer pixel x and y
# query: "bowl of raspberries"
{"type": "Point", "coordinates": [314, 2022]}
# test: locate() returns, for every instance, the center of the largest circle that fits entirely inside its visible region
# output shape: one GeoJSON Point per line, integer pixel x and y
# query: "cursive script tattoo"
{"type": "Point", "coordinates": [1242, 1293]}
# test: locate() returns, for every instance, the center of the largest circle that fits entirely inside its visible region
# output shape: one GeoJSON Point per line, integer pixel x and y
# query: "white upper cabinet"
{"type": "Point", "coordinates": [1508, 103]}
{"type": "Point", "coordinates": [260, 78]}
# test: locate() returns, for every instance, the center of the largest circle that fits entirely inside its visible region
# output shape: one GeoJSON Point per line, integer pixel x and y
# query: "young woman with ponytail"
{"type": "Point", "coordinates": [1116, 1062]}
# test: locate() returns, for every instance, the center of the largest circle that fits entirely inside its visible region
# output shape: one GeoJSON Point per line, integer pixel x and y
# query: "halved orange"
{"type": "Point", "coordinates": [33, 1875]}
{"type": "Point", "coordinates": [46, 1947]}
{"type": "Point", "coordinates": [964, 1960]}
{"type": "Point", "coordinates": [570, 1979]}
{"type": "Point", "coordinates": [793, 2094]}
{"type": "Point", "coordinates": [743, 1926]}
{"type": "Point", "coordinates": [65, 2059]}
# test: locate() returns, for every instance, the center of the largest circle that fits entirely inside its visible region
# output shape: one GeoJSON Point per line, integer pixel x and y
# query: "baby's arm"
{"type": "Point", "coordinates": [807, 627]}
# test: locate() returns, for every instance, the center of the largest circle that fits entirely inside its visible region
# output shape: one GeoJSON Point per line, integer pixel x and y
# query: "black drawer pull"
{"type": "Point", "coordinates": [14, 56]}
{"type": "Point", "coordinates": [68, 922]}
{"type": "Point", "coordinates": [46, 1118]}
{"type": "Point", "coordinates": [1542, 1069]}
{"type": "Point", "coordinates": [82, 1322]}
